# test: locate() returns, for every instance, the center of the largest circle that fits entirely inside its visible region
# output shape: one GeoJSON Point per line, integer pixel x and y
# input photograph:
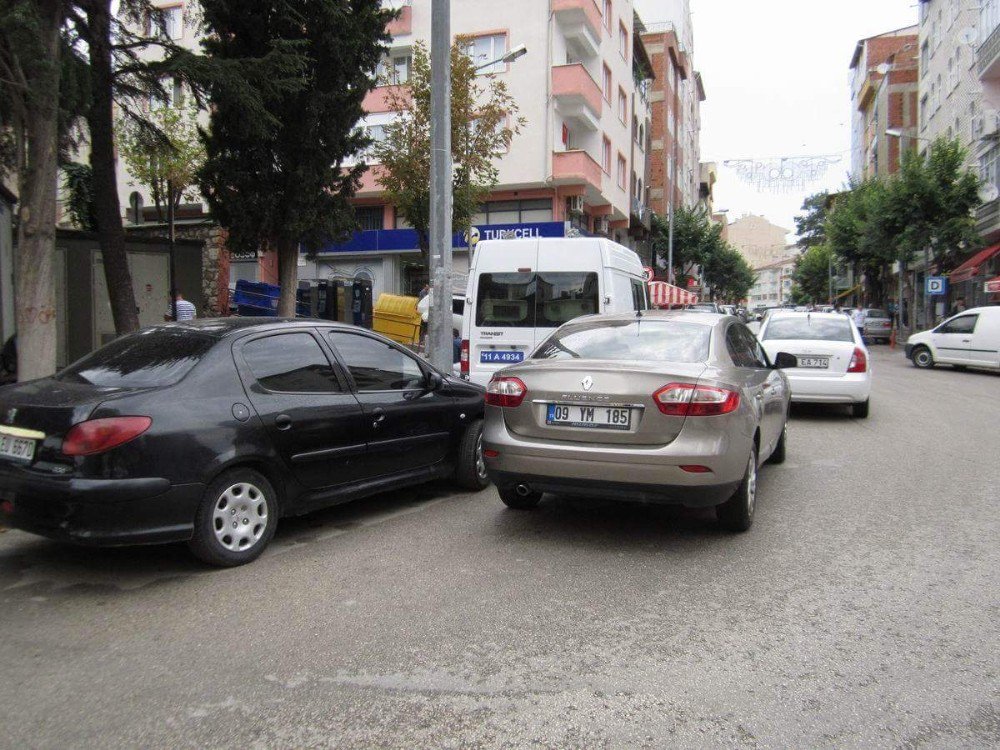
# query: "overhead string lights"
{"type": "Point", "coordinates": [787, 174]}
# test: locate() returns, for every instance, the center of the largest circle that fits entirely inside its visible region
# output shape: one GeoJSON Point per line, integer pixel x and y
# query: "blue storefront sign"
{"type": "Point", "coordinates": [403, 240]}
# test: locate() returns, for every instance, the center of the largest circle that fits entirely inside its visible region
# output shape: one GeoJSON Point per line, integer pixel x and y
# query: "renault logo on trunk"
{"type": "Point", "coordinates": [588, 383]}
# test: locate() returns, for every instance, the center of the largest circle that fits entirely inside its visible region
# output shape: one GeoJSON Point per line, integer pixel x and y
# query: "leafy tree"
{"type": "Point", "coordinates": [811, 225]}
{"type": "Point", "coordinates": [79, 184]}
{"type": "Point", "coordinates": [484, 121]}
{"type": "Point", "coordinates": [811, 277]}
{"type": "Point", "coordinates": [727, 273]}
{"type": "Point", "coordinates": [696, 237]}
{"type": "Point", "coordinates": [281, 180]}
{"type": "Point", "coordinates": [861, 230]}
{"type": "Point", "coordinates": [167, 161]}
{"type": "Point", "coordinates": [33, 109]}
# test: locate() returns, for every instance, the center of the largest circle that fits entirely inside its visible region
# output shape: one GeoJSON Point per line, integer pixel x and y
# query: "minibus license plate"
{"type": "Point", "coordinates": [501, 358]}
{"type": "Point", "coordinates": [601, 417]}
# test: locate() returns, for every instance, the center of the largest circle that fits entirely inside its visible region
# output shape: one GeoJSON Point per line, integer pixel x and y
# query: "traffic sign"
{"type": "Point", "coordinates": [936, 286]}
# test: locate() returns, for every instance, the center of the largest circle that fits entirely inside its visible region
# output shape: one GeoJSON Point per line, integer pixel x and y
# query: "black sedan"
{"type": "Point", "coordinates": [209, 431]}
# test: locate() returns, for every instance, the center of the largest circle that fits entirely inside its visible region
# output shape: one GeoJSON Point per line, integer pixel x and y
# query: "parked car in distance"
{"type": "Point", "coordinates": [666, 407]}
{"type": "Point", "coordinates": [969, 339]}
{"type": "Point", "coordinates": [877, 325]}
{"type": "Point", "coordinates": [708, 307]}
{"type": "Point", "coordinates": [521, 290]}
{"type": "Point", "coordinates": [832, 362]}
{"type": "Point", "coordinates": [208, 431]}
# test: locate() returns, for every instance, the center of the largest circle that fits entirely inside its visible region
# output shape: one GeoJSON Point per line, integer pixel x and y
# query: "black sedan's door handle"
{"type": "Point", "coordinates": [283, 421]}
{"type": "Point", "coordinates": [379, 417]}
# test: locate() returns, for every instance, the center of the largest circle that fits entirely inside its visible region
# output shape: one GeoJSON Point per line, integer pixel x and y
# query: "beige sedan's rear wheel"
{"type": "Point", "coordinates": [736, 514]}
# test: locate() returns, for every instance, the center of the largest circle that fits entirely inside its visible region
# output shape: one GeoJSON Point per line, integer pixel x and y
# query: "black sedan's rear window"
{"type": "Point", "coordinates": [644, 340]}
{"type": "Point", "coordinates": [148, 359]}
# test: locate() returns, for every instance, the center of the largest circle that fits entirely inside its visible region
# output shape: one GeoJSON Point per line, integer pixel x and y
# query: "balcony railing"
{"type": "Point", "coordinates": [581, 20]}
{"type": "Point", "coordinates": [989, 50]}
{"type": "Point", "coordinates": [569, 167]}
{"type": "Point", "coordinates": [573, 88]}
{"type": "Point", "coordinates": [988, 218]}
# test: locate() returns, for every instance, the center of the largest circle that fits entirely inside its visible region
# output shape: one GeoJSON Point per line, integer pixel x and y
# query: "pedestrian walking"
{"type": "Point", "coordinates": [185, 310]}
{"type": "Point", "coordinates": [958, 307]}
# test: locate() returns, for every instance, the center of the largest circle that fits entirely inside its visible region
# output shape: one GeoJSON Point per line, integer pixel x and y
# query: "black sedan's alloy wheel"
{"type": "Point", "coordinates": [470, 471]}
{"type": "Point", "coordinates": [236, 519]}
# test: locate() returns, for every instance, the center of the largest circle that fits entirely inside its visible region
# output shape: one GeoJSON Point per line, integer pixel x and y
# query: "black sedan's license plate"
{"type": "Point", "coordinates": [600, 417]}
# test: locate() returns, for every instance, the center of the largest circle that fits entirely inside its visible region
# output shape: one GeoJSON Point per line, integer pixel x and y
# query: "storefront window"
{"type": "Point", "coordinates": [514, 212]}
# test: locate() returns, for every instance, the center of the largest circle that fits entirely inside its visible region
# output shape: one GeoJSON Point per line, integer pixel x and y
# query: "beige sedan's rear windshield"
{"type": "Point", "coordinates": [646, 340]}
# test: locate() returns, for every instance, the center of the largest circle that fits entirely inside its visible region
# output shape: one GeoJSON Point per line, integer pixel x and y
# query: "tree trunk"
{"type": "Point", "coordinates": [111, 235]}
{"type": "Point", "coordinates": [288, 276]}
{"type": "Point", "coordinates": [34, 289]}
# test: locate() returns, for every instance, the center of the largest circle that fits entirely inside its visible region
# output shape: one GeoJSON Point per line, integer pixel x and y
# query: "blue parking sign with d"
{"type": "Point", "coordinates": [936, 285]}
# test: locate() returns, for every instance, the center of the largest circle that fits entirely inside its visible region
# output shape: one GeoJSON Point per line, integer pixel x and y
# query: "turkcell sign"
{"type": "Point", "coordinates": [405, 240]}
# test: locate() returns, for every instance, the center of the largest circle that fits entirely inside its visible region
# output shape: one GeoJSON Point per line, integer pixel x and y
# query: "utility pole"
{"type": "Point", "coordinates": [439, 336]}
{"type": "Point", "coordinates": [829, 279]}
{"type": "Point", "coordinates": [670, 211]}
{"type": "Point", "coordinates": [171, 239]}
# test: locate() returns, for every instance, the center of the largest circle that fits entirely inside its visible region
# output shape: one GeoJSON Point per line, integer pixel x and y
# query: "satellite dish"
{"type": "Point", "coordinates": [883, 69]}
{"type": "Point", "coordinates": [969, 36]}
{"type": "Point", "coordinates": [988, 193]}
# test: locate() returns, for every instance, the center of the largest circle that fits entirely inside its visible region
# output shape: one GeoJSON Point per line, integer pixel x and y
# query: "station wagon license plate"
{"type": "Point", "coordinates": [20, 449]}
{"type": "Point", "coordinates": [600, 417]}
{"type": "Point", "coordinates": [502, 358]}
{"type": "Point", "coordinates": [819, 363]}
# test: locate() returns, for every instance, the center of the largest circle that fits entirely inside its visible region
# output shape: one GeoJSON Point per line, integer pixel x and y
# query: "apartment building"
{"type": "Point", "coordinates": [972, 276]}
{"type": "Point", "coordinates": [950, 91]}
{"type": "Point", "coordinates": [579, 165]}
{"type": "Point", "coordinates": [760, 242]}
{"type": "Point", "coordinates": [773, 284]}
{"type": "Point", "coordinates": [884, 97]}
{"type": "Point", "coordinates": [677, 93]}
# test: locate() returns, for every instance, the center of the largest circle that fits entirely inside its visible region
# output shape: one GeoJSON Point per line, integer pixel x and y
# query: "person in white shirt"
{"type": "Point", "coordinates": [858, 317]}
{"type": "Point", "coordinates": [185, 310]}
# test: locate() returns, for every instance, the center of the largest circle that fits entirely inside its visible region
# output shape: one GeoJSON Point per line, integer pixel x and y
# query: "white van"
{"type": "Point", "coordinates": [521, 290]}
{"type": "Point", "coordinates": [969, 339]}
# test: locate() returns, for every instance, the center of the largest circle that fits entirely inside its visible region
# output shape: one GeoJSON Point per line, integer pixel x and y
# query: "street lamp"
{"type": "Point", "coordinates": [519, 51]}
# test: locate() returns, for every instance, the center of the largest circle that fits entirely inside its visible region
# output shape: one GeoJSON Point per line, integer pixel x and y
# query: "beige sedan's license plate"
{"type": "Point", "coordinates": [601, 417]}
{"type": "Point", "coordinates": [20, 449]}
{"type": "Point", "coordinates": [819, 363]}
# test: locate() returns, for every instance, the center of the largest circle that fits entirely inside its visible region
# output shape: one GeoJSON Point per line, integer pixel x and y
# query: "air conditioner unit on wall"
{"type": "Point", "coordinates": [575, 204]}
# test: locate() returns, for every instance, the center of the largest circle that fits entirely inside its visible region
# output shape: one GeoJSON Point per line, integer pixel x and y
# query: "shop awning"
{"type": "Point", "coordinates": [662, 294]}
{"type": "Point", "coordinates": [852, 290]}
{"type": "Point", "coordinates": [971, 267]}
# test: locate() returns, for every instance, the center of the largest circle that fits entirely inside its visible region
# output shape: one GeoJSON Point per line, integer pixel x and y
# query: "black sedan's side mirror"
{"type": "Point", "coordinates": [784, 361]}
{"type": "Point", "coordinates": [434, 381]}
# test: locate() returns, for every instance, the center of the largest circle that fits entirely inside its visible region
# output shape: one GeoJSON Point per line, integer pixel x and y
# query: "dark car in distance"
{"type": "Point", "coordinates": [209, 431]}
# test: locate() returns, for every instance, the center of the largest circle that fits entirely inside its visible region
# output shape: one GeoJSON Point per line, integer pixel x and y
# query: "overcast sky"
{"type": "Point", "coordinates": [776, 78]}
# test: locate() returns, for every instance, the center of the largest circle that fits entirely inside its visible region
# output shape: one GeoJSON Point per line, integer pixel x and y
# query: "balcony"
{"type": "Point", "coordinates": [403, 25]}
{"type": "Point", "coordinates": [577, 95]}
{"type": "Point", "coordinates": [988, 220]}
{"type": "Point", "coordinates": [641, 215]}
{"type": "Point", "coordinates": [581, 22]}
{"type": "Point", "coordinates": [575, 167]}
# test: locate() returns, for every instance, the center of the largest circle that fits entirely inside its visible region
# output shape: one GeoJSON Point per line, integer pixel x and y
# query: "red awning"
{"type": "Point", "coordinates": [662, 294]}
{"type": "Point", "coordinates": [971, 267]}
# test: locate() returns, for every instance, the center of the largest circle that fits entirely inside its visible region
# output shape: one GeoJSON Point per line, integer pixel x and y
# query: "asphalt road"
{"type": "Point", "coordinates": [860, 611]}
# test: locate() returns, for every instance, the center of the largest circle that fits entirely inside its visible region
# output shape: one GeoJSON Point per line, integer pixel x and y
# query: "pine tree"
{"type": "Point", "coordinates": [280, 181]}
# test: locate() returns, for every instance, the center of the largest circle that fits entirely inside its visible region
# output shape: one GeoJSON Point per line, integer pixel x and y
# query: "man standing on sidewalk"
{"type": "Point", "coordinates": [858, 318]}
{"type": "Point", "coordinates": [185, 310]}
